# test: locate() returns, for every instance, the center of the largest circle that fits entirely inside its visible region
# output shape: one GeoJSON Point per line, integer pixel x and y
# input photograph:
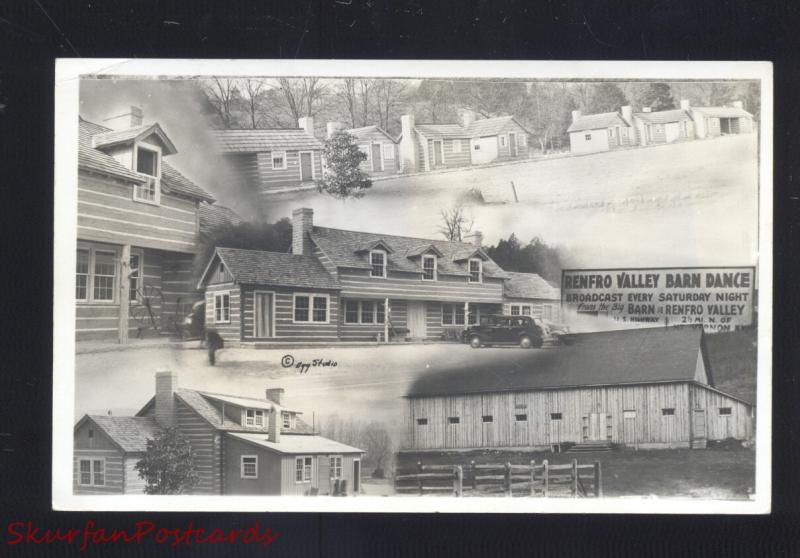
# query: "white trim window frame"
{"type": "Point", "coordinates": [311, 309]}
{"type": "Point", "coordinates": [95, 473]}
{"type": "Point", "coordinates": [388, 151]}
{"type": "Point", "coordinates": [282, 156]}
{"type": "Point", "coordinates": [432, 270]}
{"type": "Point", "coordinates": [522, 140]}
{"type": "Point", "coordinates": [286, 420]}
{"type": "Point", "coordinates": [356, 308]}
{"type": "Point", "coordinates": [254, 418]}
{"type": "Point", "coordinates": [336, 463]}
{"type": "Point", "coordinates": [153, 180]}
{"type": "Point", "coordinates": [382, 263]}
{"type": "Point", "coordinates": [136, 276]}
{"type": "Point", "coordinates": [222, 307]}
{"type": "Point", "coordinates": [454, 311]}
{"type": "Point", "coordinates": [520, 309]}
{"type": "Point", "coordinates": [479, 271]}
{"type": "Point", "coordinates": [303, 469]}
{"type": "Point", "coordinates": [89, 286]}
{"type": "Point", "coordinates": [245, 464]}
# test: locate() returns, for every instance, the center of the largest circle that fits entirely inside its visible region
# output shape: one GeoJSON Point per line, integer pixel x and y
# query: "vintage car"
{"type": "Point", "coordinates": [497, 330]}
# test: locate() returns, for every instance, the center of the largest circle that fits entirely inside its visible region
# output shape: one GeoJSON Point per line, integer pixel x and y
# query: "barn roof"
{"type": "Point", "coordinates": [723, 112]}
{"type": "Point", "coordinates": [344, 250]}
{"type": "Point", "coordinates": [598, 121]}
{"type": "Point", "coordinates": [129, 433]}
{"type": "Point", "coordinates": [265, 139]}
{"type": "Point", "coordinates": [479, 128]}
{"type": "Point", "coordinates": [94, 159]}
{"type": "Point", "coordinates": [213, 216]}
{"type": "Point", "coordinates": [663, 116]}
{"type": "Point", "coordinates": [298, 444]}
{"type": "Point", "coordinates": [529, 285]}
{"type": "Point", "coordinates": [259, 267]}
{"type": "Point", "coordinates": [638, 356]}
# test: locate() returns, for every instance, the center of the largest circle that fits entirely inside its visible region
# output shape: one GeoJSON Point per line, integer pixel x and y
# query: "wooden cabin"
{"type": "Point", "coordinates": [643, 388]}
{"type": "Point", "coordinates": [718, 121]}
{"type": "Point", "coordinates": [374, 142]}
{"type": "Point", "coordinates": [528, 294]}
{"type": "Point", "coordinates": [664, 126]}
{"type": "Point", "coordinates": [138, 226]}
{"type": "Point", "coordinates": [591, 133]}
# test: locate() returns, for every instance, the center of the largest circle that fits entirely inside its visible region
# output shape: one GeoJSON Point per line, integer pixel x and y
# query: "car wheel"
{"type": "Point", "coordinates": [475, 342]}
{"type": "Point", "coordinates": [525, 342]}
{"type": "Point", "coordinates": [538, 342]}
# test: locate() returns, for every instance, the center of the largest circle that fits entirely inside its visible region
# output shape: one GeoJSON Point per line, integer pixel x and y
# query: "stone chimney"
{"type": "Point", "coordinates": [307, 124]}
{"type": "Point", "coordinates": [477, 238]}
{"type": "Point", "coordinates": [738, 104]}
{"type": "Point", "coordinates": [134, 117]}
{"type": "Point", "coordinates": [467, 117]}
{"type": "Point", "coordinates": [302, 223]}
{"type": "Point", "coordinates": [166, 385]}
{"type": "Point", "coordinates": [685, 104]}
{"type": "Point", "coordinates": [575, 115]}
{"type": "Point", "coordinates": [646, 109]}
{"type": "Point", "coordinates": [275, 422]}
{"type": "Point", "coordinates": [333, 127]}
{"type": "Point", "coordinates": [275, 395]}
{"type": "Point", "coordinates": [408, 149]}
{"type": "Point", "coordinates": [627, 114]}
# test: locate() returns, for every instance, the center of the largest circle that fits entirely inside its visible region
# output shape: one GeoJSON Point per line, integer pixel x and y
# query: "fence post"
{"type": "Point", "coordinates": [458, 480]}
{"type": "Point", "coordinates": [545, 478]}
{"type": "Point", "coordinates": [574, 478]}
{"type": "Point", "coordinates": [474, 474]}
{"type": "Point", "coordinates": [507, 479]}
{"type": "Point", "coordinates": [514, 189]}
{"type": "Point", "coordinates": [598, 480]}
{"type": "Point", "coordinates": [419, 470]}
{"type": "Point", "coordinates": [533, 475]}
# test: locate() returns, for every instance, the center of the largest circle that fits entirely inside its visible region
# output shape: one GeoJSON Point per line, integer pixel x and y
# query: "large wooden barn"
{"type": "Point", "coordinates": [646, 388]}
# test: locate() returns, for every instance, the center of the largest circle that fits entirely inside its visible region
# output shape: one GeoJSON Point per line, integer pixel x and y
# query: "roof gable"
{"type": "Point", "coordinates": [529, 285]}
{"type": "Point", "coordinates": [261, 140]}
{"type": "Point", "coordinates": [663, 116]}
{"type": "Point", "coordinates": [377, 244]}
{"type": "Point", "coordinates": [137, 133]}
{"type": "Point", "coordinates": [423, 249]}
{"type": "Point", "coordinates": [597, 121]}
{"type": "Point", "coordinates": [364, 132]}
{"type": "Point", "coordinates": [130, 434]}
{"type": "Point", "coordinates": [479, 128]}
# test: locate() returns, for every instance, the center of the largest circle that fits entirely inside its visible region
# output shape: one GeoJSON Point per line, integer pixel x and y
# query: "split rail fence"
{"type": "Point", "coordinates": [537, 480]}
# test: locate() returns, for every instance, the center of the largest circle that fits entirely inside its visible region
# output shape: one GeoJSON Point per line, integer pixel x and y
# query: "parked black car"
{"type": "Point", "coordinates": [497, 330]}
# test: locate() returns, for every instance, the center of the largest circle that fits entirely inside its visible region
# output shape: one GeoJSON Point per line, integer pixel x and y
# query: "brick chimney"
{"type": "Point", "coordinates": [627, 114]}
{"type": "Point", "coordinates": [685, 104]}
{"type": "Point", "coordinates": [134, 117]}
{"type": "Point", "coordinates": [467, 117]}
{"type": "Point", "coordinates": [575, 115]}
{"type": "Point", "coordinates": [477, 238]}
{"type": "Point", "coordinates": [275, 395]}
{"type": "Point", "coordinates": [166, 384]}
{"type": "Point", "coordinates": [275, 422]}
{"type": "Point", "coordinates": [333, 127]}
{"type": "Point", "coordinates": [307, 124]}
{"type": "Point", "coordinates": [738, 104]}
{"type": "Point", "coordinates": [302, 223]}
{"type": "Point", "coordinates": [408, 150]}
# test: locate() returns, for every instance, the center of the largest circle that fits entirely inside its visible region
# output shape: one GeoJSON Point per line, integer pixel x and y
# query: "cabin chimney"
{"type": "Point", "coordinates": [467, 117]}
{"type": "Point", "coordinates": [408, 149]}
{"type": "Point", "coordinates": [302, 223]}
{"type": "Point", "coordinates": [627, 114]}
{"type": "Point", "coordinates": [333, 127]}
{"type": "Point", "coordinates": [307, 124]}
{"type": "Point", "coordinates": [275, 395]}
{"type": "Point", "coordinates": [575, 115]}
{"type": "Point", "coordinates": [477, 238]}
{"type": "Point", "coordinates": [166, 384]}
{"type": "Point", "coordinates": [275, 425]}
{"type": "Point", "coordinates": [685, 104]}
{"type": "Point", "coordinates": [738, 104]}
{"type": "Point", "coordinates": [646, 109]}
{"type": "Point", "coordinates": [131, 119]}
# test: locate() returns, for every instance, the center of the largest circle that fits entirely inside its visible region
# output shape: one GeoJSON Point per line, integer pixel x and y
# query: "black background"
{"type": "Point", "coordinates": [33, 33]}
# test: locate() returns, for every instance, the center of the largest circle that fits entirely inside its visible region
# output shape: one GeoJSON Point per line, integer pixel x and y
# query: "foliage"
{"type": "Point", "coordinates": [607, 97]}
{"type": "Point", "coordinates": [343, 177]}
{"type": "Point", "coordinates": [657, 96]}
{"type": "Point", "coordinates": [534, 257]}
{"type": "Point", "coordinates": [455, 223]}
{"type": "Point", "coordinates": [168, 464]}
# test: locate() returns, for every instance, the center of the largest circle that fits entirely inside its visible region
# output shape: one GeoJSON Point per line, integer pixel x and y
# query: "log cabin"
{"type": "Point", "coordinates": [717, 121]}
{"type": "Point", "coordinates": [604, 131]}
{"type": "Point", "coordinates": [642, 388]}
{"type": "Point", "coordinates": [241, 445]}
{"type": "Point", "coordinates": [664, 126]}
{"type": "Point", "coordinates": [138, 225]}
{"type": "Point", "coordinates": [374, 142]}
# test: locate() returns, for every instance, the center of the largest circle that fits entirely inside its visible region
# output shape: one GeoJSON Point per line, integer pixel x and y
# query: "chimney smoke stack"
{"type": "Point", "coordinates": [166, 385]}
{"type": "Point", "coordinates": [477, 238]}
{"type": "Point", "coordinates": [685, 104]}
{"type": "Point", "coordinates": [131, 119]}
{"type": "Point", "coordinates": [275, 395]}
{"type": "Point", "coordinates": [307, 124]}
{"type": "Point", "coordinates": [575, 115]}
{"type": "Point", "coordinates": [333, 127]}
{"type": "Point", "coordinates": [275, 425]}
{"type": "Point", "coordinates": [302, 223]}
{"type": "Point", "coordinates": [467, 117]}
{"type": "Point", "coordinates": [408, 149]}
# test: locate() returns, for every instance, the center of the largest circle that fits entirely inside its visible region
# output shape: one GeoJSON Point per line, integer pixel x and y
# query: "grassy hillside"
{"type": "Point", "coordinates": [732, 356]}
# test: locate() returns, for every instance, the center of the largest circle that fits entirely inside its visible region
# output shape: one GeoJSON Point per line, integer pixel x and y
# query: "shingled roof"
{"type": "Point", "coordinates": [114, 137]}
{"type": "Point", "coordinates": [298, 444]}
{"type": "Point", "coordinates": [257, 267]}
{"type": "Point", "coordinates": [723, 112]}
{"type": "Point", "coordinates": [129, 433]}
{"type": "Point", "coordinates": [637, 356]}
{"type": "Point", "coordinates": [214, 216]}
{"type": "Point", "coordinates": [364, 131]}
{"type": "Point", "coordinates": [479, 128]}
{"type": "Point", "coordinates": [342, 247]}
{"type": "Point", "coordinates": [529, 285]}
{"type": "Point", "coordinates": [94, 159]}
{"type": "Point", "coordinates": [663, 116]}
{"type": "Point", "coordinates": [598, 121]}
{"type": "Point", "coordinates": [261, 140]}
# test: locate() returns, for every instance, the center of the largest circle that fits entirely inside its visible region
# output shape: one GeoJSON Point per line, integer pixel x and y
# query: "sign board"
{"type": "Point", "coordinates": [719, 298]}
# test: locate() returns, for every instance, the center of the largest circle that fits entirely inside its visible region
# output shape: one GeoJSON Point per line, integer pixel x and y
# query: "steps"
{"type": "Point", "coordinates": [593, 446]}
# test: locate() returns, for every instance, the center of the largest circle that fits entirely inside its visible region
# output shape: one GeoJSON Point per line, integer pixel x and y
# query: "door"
{"type": "Point", "coordinates": [356, 476]}
{"type": "Point", "coordinates": [699, 430]}
{"type": "Point", "coordinates": [597, 426]}
{"type": "Point", "coordinates": [629, 427]}
{"type": "Point", "coordinates": [262, 315]}
{"type": "Point", "coordinates": [437, 153]}
{"type": "Point", "coordinates": [416, 320]}
{"type": "Point", "coordinates": [377, 159]}
{"type": "Point", "coordinates": [512, 144]}
{"type": "Point", "coordinates": [306, 167]}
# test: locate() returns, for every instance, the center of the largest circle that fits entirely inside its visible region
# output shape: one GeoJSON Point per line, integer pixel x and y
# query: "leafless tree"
{"type": "Point", "coordinates": [377, 443]}
{"type": "Point", "coordinates": [302, 95]}
{"type": "Point", "coordinates": [253, 92]}
{"type": "Point", "coordinates": [347, 93]}
{"type": "Point", "coordinates": [388, 93]}
{"type": "Point", "coordinates": [455, 223]}
{"type": "Point", "coordinates": [222, 93]}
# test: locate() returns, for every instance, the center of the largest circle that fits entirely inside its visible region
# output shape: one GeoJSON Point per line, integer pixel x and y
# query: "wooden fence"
{"type": "Point", "coordinates": [538, 480]}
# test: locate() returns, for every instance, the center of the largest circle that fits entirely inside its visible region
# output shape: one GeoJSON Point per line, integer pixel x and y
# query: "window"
{"type": "Point", "coordinates": [286, 419]}
{"type": "Point", "coordinates": [521, 417]}
{"type": "Point", "coordinates": [629, 414]}
{"type": "Point", "coordinates": [351, 312]}
{"type": "Point", "coordinates": [611, 132]}
{"type": "Point", "coordinates": [82, 275]}
{"type": "Point", "coordinates": [668, 412]}
{"type": "Point", "coordinates": [254, 417]}
{"type": "Point", "coordinates": [515, 309]}
{"type": "Point", "coordinates": [523, 140]}
{"type": "Point", "coordinates": [453, 420]}
{"type": "Point", "coordinates": [367, 312]}
{"type": "Point", "coordinates": [92, 472]}
{"type": "Point", "coordinates": [588, 137]}
{"type": "Point", "coordinates": [249, 467]}
{"type": "Point", "coordinates": [135, 274]}
{"type": "Point", "coordinates": [488, 418]}
{"type": "Point", "coordinates": [474, 314]}
{"type": "Point", "coordinates": [475, 271]}
{"type": "Point", "coordinates": [456, 146]}
{"type": "Point", "coordinates": [520, 406]}
{"type": "Point", "coordinates": [422, 422]}
{"type": "Point", "coordinates": [388, 151]}
{"type": "Point", "coordinates": [476, 146]}
{"type": "Point", "coordinates": [364, 312]}
{"type": "Point", "coordinates": [147, 164]}
{"type": "Point", "coordinates": [503, 141]}
{"type": "Point", "coordinates": [429, 268]}
{"type": "Point", "coordinates": [311, 308]}
{"type": "Point", "coordinates": [279, 160]}
{"type": "Point", "coordinates": [555, 416]}
{"type": "Point", "coordinates": [302, 469]}
{"type": "Point", "coordinates": [105, 268]}
{"type": "Point", "coordinates": [377, 260]}
{"type": "Point", "coordinates": [520, 309]}
{"type": "Point", "coordinates": [335, 466]}
{"type": "Point", "coordinates": [724, 411]}
{"type": "Point", "coordinates": [222, 308]}
{"type": "Point", "coordinates": [380, 313]}
{"type": "Point", "coordinates": [453, 314]}
{"type": "Point", "coordinates": [221, 269]}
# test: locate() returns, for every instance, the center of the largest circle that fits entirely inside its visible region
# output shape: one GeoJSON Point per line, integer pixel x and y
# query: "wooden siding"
{"type": "Point", "coordinates": [739, 424]}
{"type": "Point", "coordinates": [255, 170]}
{"type": "Point", "coordinates": [649, 427]}
{"type": "Point", "coordinates": [390, 166]}
{"type": "Point", "coordinates": [269, 469]}
{"type": "Point", "coordinates": [320, 475]}
{"type": "Point", "coordinates": [134, 484]}
{"type": "Point", "coordinates": [504, 152]}
{"type": "Point", "coordinates": [113, 471]}
{"type": "Point", "coordinates": [285, 328]}
{"type": "Point", "coordinates": [107, 213]}
{"type": "Point", "coordinates": [229, 331]}
{"type": "Point", "coordinates": [369, 332]}
{"type": "Point", "coordinates": [451, 159]}
{"type": "Point", "coordinates": [207, 451]}
{"type": "Point", "coordinates": [537, 307]}
{"type": "Point", "coordinates": [410, 286]}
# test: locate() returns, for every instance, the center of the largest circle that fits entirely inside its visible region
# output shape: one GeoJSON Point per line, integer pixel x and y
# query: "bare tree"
{"type": "Point", "coordinates": [388, 93]}
{"type": "Point", "coordinates": [302, 95]}
{"type": "Point", "coordinates": [378, 444]}
{"type": "Point", "coordinates": [455, 223]}
{"type": "Point", "coordinates": [253, 92]}
{"type": "Point", "coordinates": [222, 93]}
{"type": "Point", "coordinates": [347, 93]}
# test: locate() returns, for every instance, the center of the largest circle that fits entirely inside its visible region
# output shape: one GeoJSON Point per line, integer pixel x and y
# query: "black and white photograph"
{"type": "Point", "coordinates": [427, 286]}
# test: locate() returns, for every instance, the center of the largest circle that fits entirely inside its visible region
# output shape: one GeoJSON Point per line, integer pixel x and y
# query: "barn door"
{"type": "Point", "coordinates": [377, 160]}
{"type": "Point", "coordinates": [597, 426]}
{"type": "Point", "coordinates": [699, 434]}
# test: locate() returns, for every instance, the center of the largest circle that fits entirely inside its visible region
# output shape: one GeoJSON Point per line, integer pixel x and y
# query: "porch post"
{"type": "Point", "coordinates": [386, 311]}
{"type": "Point", "coordinates": [466, 314]}
{"type": "Point", "coordinates": [124, 293]}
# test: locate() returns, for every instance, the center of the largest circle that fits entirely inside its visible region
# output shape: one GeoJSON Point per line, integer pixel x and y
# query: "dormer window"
{"type": "Point", "coordinates": [286, 418]}
{"type": "Point", "coordinates": [254, 417]}
{"type": "Point", "coordinates": [147, 162]}
{"type": "Point", "coordinates": [475, 271]}
{"type": "Point", "coordinates": [377, 259]}
{"type": "Point", "coordinates": [429, 268]}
